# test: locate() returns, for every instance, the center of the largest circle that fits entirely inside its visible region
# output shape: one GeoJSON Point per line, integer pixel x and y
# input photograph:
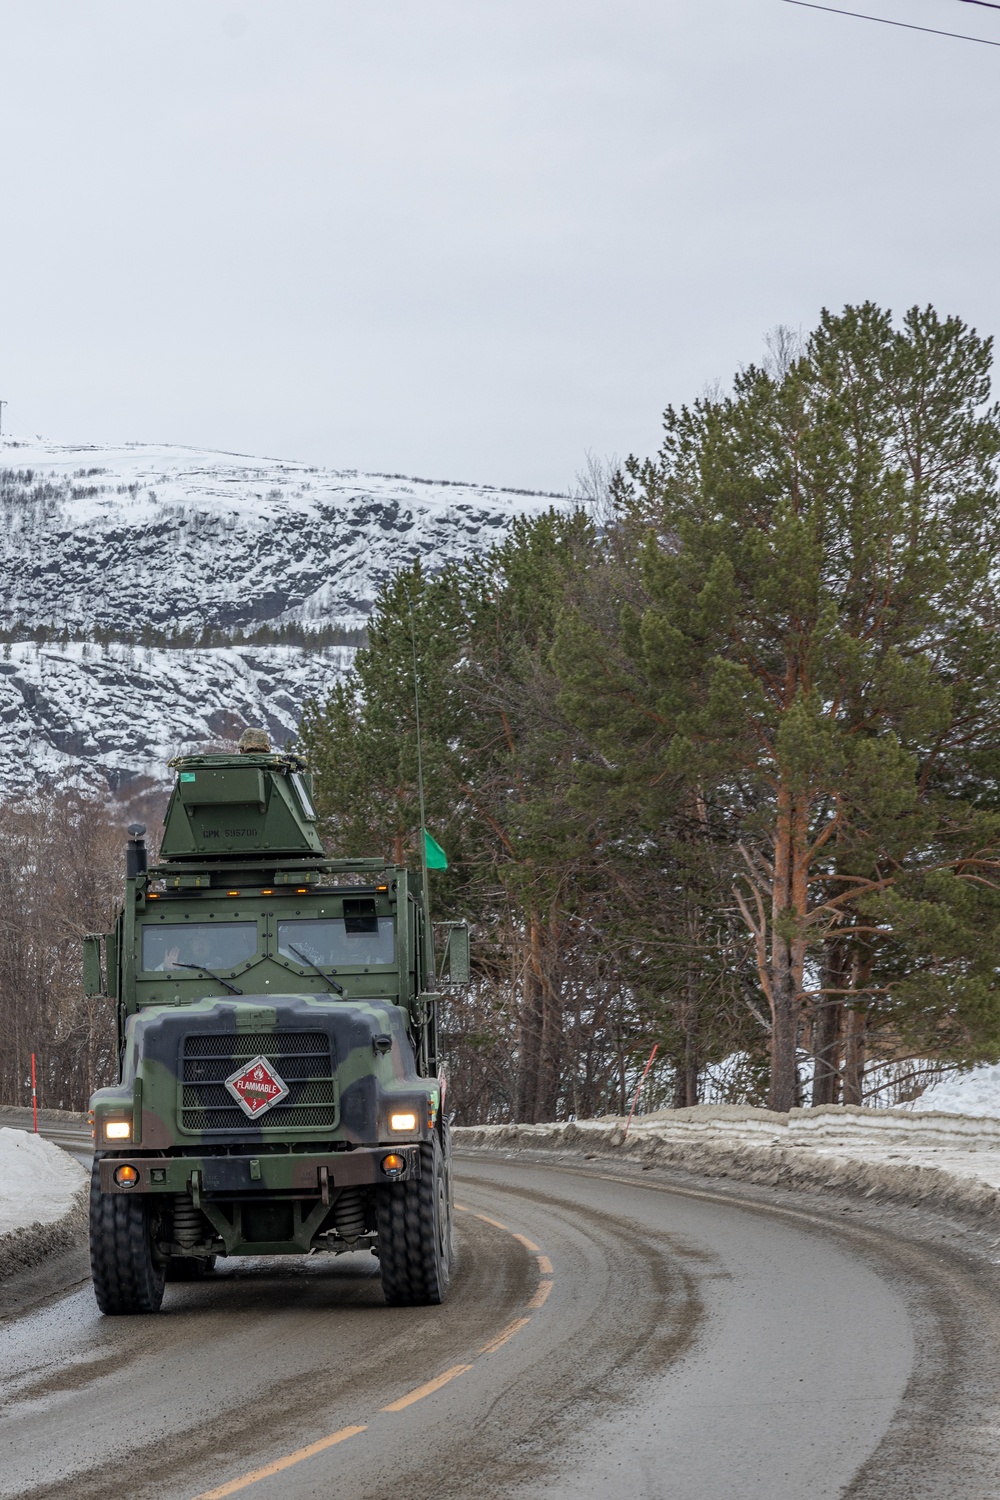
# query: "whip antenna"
{"type": "Point", "coordinates": [420, 790]}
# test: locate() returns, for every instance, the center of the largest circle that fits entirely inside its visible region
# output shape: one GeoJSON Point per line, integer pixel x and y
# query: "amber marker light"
{"type": "Point", "coordinates": [393, 1165]}
{"type": "Point", "coordinates": [126, 1176]}
{"type": "Point", "coordinates": [232, 893]}
{"type": "Point", "coordinates": [117, 1130]}
{"type": "Point", "coordinates": [406, 1121]}
{"type": "Point", "coordinates": [267, 893]}
{"type": "Point", "coordinates": [301, 890]}
{"type": "Point", "coordinates": [152, 895]}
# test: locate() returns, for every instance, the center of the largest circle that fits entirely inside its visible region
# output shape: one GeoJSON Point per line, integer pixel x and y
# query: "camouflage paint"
{"type": "Point", "coordinates": [240, 845]}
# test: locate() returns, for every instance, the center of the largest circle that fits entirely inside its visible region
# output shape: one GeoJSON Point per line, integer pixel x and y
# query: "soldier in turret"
{"type": "Point", "coordinates": [255, 742]}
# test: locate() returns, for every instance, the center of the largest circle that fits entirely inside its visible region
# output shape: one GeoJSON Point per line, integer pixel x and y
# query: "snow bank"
{"type": "Point", "coordinates": [938, 1160]}
{"type": "Point", "coordinates": [41, 1198]}
{"type": "Point", "coordinates": [974, 1093]}
{"type": "Point", "coordinates": [39, 1182]}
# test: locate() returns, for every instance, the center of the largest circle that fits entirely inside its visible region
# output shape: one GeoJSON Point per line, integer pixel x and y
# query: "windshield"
{"type": "Point", "coordinates": [212, 945]}
{"type": "Point", "coordinates": [328, 943]}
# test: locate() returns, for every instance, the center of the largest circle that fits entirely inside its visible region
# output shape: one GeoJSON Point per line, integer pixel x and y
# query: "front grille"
{"type": "Point", "coordinates": [301, 1059]}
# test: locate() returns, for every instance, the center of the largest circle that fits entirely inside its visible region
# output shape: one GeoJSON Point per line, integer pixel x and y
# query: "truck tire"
{"type": "Point", "coordinates": [414, 1232]}
{"type": "Point", "coordinates": [127, 1279]}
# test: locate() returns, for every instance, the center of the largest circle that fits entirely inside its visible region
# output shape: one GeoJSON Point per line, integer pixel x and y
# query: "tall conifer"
{"type": "Point", "coordinates": [817, 655]}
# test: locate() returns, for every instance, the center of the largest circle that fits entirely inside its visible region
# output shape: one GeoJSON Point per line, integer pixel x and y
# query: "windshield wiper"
{"type": "Point", "coordinates": [217, 977]}
{"type": "Point", "coordinates": [334, 986]}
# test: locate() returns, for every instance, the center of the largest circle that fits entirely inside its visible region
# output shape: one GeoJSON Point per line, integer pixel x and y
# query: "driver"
{"type": "Point", "coordinates": [170, 960]}
{"type": "Point", "coordinates": [197, 950]}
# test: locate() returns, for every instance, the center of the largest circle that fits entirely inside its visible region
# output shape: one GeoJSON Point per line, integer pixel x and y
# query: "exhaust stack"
{"type": "Point", "coordinates": [136, 858]}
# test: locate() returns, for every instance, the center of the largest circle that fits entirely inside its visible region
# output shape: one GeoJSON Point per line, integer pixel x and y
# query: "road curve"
{"type": "Point", "coordinates": [62, 1130]}
{"type": "Point", "coordinates": [604, 1333]}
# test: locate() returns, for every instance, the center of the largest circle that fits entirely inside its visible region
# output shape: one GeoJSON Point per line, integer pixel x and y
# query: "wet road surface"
{"type": "Point", "coordinates": [603, 1333]}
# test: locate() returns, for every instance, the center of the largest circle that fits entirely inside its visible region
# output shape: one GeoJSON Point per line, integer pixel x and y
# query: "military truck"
{"type": "Point", "coordinates": [278, 1084]}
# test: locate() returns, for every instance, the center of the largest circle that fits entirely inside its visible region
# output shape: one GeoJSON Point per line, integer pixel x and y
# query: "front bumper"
{"type": "Point", "coordinates": [302, 1174]}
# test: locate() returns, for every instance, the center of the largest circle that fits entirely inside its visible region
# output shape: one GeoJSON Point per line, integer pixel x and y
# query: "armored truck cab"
{"type": "Point", "coordinates": [278, 1089]}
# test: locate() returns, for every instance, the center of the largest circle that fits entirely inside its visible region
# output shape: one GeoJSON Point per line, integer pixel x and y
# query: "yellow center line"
{"type": "Point", "coordinates": [462, 1208]}
{"type": "Point", "coordinates": [233, 1486]}
{"type": "Point", "coordinates": [428, 1389]}
{"type": "Point", "coordinates": [538, 1300]}
{"type": "Point", "coordinates": [279, 1464]}
{"type": "Point", "coordinates": [504, 1336]}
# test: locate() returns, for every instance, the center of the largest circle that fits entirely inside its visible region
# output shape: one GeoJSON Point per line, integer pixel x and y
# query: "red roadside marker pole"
{"type": "Point", "coordinates": [34, 1094]}
{"type": "Point", "coordinates": [638, 1088]}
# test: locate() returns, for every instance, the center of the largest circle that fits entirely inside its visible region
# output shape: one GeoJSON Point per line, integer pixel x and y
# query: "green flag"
{"type": "Point", "coordinates": [434, 854]}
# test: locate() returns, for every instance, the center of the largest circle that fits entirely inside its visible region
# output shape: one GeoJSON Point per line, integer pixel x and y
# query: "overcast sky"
{"type": "Point", "coordinates": [468, 240]}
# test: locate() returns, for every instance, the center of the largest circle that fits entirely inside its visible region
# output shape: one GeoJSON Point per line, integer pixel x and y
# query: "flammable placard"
{"type": "Point", "coordinates": [256, 1086]}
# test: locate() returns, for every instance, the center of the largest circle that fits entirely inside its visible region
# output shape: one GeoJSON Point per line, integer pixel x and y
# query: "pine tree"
{"type": "Point", "coordinates": [496, 756]}
{"type": "Point", "coordinates": [816, 655]}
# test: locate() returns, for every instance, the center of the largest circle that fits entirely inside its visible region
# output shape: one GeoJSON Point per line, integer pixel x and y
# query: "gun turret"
{"type": "Point", "coordinates": [224, 806]}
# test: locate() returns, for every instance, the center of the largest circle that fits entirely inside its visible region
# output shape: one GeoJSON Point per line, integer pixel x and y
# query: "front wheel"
{"type": "Point", "coordinates": [414, 1232]}
{"type": "Point", "coordinates": [127, 1277]}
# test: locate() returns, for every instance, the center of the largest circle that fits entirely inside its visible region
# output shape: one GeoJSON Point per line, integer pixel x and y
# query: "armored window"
{"type": "Point", "coordinates": [208, 945]}
{"type": "Point", "coordinates": [332, 943]}
{"type": "Point", "coordinates": [304, 798]}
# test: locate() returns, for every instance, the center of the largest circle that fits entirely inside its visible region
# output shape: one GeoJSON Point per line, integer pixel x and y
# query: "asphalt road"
{"type": "Point", "coordinates": [606, 1334]}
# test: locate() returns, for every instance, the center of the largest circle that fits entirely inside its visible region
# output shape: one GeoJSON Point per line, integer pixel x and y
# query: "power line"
{"type": "Point", "coordinates": [989, 4]}
{"type": "Point", "coordinates": [906, 25]}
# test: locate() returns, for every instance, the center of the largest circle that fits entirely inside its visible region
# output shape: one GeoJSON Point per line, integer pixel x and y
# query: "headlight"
{"type": "Point", "coordinates": [407, 1121]}
{"type": "Point", "coordinates": [117, 1130]}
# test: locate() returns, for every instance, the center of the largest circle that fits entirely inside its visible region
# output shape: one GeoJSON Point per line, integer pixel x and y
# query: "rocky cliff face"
{"type": "Point", "coordinates": [152, 576]}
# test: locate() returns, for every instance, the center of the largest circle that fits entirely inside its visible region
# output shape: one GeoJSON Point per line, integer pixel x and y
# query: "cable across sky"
{"type": "Point", "coordinates": [857, 15]}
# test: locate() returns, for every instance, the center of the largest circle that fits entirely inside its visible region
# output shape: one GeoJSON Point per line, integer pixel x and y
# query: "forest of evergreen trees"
{"type": "Point", "coordinates": [305, 636]}
{"type": "Point", "coordinates": [715, 761]}
{"type": "Point", "coordinates": [715, 758]}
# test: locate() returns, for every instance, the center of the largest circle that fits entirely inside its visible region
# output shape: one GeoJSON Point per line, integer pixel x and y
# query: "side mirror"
{"type": "Point", "coordinates": [93, 979]}
{"type": "Point", "coordinates": [457, 963]}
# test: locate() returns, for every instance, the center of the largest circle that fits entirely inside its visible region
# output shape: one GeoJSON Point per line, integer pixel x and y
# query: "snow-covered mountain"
{"type": "Point", "coordinates": [127, 556]}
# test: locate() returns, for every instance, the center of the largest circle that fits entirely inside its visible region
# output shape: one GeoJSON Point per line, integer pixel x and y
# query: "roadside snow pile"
{"type": "Point", "coordinates": [39, 1183]}
{"type": "Point", "coordinates": [940, 1160]}
{"type": "Point", "coordinates": [974, 1093]}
